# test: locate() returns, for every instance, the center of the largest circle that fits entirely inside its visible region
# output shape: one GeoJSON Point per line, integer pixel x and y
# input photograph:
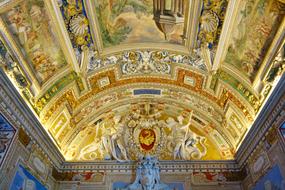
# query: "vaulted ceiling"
{"type": "Point", "coordinates": [90, 69]}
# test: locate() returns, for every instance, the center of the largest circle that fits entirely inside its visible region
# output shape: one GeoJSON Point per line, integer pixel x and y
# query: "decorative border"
{"type": "Point", "coordinates": [72, 100]}
{"type": "Point", "coordinates": [16, 110]}
{"type": "Point", "coordinates": [165, 166]}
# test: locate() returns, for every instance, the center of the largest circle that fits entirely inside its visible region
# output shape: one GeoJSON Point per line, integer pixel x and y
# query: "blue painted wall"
{"type": "Point", "coordinates": [272, 179]}
{"type": "Point", "coordinates": [22, 177]}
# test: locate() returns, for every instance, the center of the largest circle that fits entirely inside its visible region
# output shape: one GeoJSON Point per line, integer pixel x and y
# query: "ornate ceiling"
{"type": "Point", "coordinates": [117, 79]}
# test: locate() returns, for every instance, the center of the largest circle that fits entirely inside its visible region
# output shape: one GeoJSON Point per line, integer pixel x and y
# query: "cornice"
{"type": "Point", "coordinates": [12, 104]}
{"type": "Point", "coordinates": [165, 166]}
{"type": "Point", "coordinates": [267, 116]}
{"type": "Point", "coordinates": [222, 48]}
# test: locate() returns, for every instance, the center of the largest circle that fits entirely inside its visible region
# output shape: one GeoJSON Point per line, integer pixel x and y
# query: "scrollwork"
{"type": "Point", "coordinates": [145, 62]}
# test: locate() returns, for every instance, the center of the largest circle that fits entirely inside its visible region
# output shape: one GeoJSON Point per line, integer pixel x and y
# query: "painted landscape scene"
{"type": "Point", "coordinates": [139, 21]}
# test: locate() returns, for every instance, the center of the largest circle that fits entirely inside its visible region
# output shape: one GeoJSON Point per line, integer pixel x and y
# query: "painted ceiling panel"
{"type": "Point", "coordinates": [33, 31]}
{"type": "Point", "coordinates": [254, 29]}
{"type": "Point", "coordinates": [139, 21]}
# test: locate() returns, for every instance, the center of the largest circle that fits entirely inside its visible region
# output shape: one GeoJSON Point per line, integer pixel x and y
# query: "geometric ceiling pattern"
{"type": "Point", "coordinates": [113, 79]}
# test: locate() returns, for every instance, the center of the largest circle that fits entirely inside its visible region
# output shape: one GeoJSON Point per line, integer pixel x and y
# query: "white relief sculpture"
{"type": "Point", "coordinates": [191, 147]}
{"type": "Point", "coordinates": [144, 130]}
{"type": "Point", "coordinates": [117, 146]}
{"type": "Point", "coordinates": [94, 150]}
{"type": "Point", "coordinates": [108, 143]}
{"type": "Point", "coordinates": [147, 176]}
{"type": "Point", "coordinates": [144, 62]}
{"type": "Point", "coordinates": [185, 141]}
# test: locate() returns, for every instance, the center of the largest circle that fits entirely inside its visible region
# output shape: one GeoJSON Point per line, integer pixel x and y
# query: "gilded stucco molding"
{"type": "Point", "coordinates": [147, 61]}
{"type": "Point", "coordinates": [179, 82]}
{"type": "Point", "coordinates": [265, 120]}
{"type": "Point", "coordinates": [98, 113]}
{"type": "Point", "coordinates": [17, 110]}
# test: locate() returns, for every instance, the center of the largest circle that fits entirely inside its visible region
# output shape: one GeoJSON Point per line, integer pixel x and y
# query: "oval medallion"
{"type": "Point", "coordinates": [147, 139]}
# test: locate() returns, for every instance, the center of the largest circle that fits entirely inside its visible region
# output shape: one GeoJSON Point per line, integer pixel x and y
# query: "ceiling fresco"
{"type": "Point", "coordinates": [32, 29]}
{"type": "Point", "coordinates": [118, 79]}
{"type": "Point", "coordinates": [257, 23]}
{"type": "Point", "coordinates": [140, 21]}
{"type": "Point", "coordinates": [145, 128]}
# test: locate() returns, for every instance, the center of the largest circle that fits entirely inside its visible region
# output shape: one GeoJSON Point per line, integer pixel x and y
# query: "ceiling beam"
{"type": "Point", "coordinates": [191, 30]}
{"type": "Point", "coordinates": [94, 26]}
{"type": "Point", "coordinates": [268, 60]}
{"type": "Point", "coordinates": [232, 11]}
{"type": "Point", "coordinates": [63, 35]}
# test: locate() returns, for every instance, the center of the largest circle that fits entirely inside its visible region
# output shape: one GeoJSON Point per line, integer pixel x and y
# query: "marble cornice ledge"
{"type": "Point", "coordinates": [165, 166]}
{"type": "Point", "coordinates": [268, 115]}
{"type": "Point", "coordinates": [16, 109]}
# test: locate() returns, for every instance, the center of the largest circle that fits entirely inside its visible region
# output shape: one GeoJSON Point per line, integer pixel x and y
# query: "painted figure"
{"type": "Point", "coordinates": [118, 150]}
